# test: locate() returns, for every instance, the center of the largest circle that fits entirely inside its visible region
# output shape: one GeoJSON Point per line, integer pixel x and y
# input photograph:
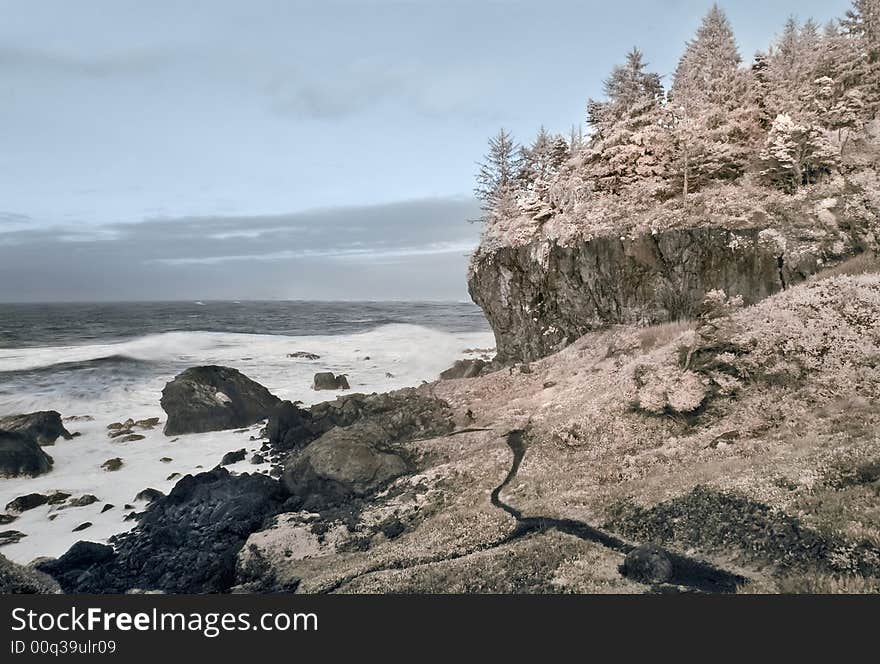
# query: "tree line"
{"type": "Point", "coordinates": [789, 120]}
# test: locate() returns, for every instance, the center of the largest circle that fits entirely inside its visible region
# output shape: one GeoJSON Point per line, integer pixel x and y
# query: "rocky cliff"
{"type": "Point", "coordinates": [542, 294]}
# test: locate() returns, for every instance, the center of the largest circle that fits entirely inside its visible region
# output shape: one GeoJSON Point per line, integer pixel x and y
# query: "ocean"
{"type": "Point", "coordinates": [103, 363]}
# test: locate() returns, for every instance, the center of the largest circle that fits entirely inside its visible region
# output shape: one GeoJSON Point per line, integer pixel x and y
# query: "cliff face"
{"type": "Point", "coordinates": [541, 296]}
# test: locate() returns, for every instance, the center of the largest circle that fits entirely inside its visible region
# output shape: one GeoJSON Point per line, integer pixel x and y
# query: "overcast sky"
{"type": "Point", "coordinates": [282, 149]}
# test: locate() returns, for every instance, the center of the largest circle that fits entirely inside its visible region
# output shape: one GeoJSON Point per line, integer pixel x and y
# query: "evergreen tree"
{"type": "Point", "coordinates": [714, 118]}
{"type": "Point", "coordinates": [628, 142]}
{"type": "Point", "coordinates": [540, 162]}
{"type": "Point", "coordinates": [497, 185]}
{"type": "Point", "coordinates": [795, 154]}
{"type": "Point", "coordinates": [862, 26]}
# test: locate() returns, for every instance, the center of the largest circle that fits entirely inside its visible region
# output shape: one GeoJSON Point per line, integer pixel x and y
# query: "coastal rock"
{"type": "Point", "coordinates": [541, 296]}
{"type": "Point", "coordinates": [213, 398]}
{"type": "Point", "coordinates": [76, 563]}
{"type": "Point", "coordinates": [26, 502]}
{"type": "Point", "coordinates": [83, 501]}
{"type": "Point", "coordinates": [20, 454]}
{"type": "Point", "coordinates": [463, 369]}
{"type": "Point", "coordinates": [149, 495]}
{"type": "Point", "coordinates": [328, 381]}
{"type": "Point", "coordinates": [44, 426]}
{"type": "Point", "coordinates": [303, 355]}
{"type": "Point", "coordinates": [82, 526]}
{"type": "Point", "coordinates": [111, 465]}
{"type": "Point", "coordinates": [186, 542]}
{"type": "Point", "coordinates": [233, 457]}
{"type": "Point", "coordinates": [20, 580]}
{"type": "Point", "coordinates": [11, 537]}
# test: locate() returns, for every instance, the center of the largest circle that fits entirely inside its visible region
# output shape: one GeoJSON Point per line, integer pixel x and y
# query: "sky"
{"type": "Point", "coordinates": [270, 149]}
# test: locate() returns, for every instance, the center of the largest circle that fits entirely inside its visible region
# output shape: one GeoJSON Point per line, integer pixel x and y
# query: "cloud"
{"type": "Point", "coordinates": [361, 85]}
{"type": "Point", "coordinates": [133, 61]}
{"type": "Point", "coordinates": [405, 250]}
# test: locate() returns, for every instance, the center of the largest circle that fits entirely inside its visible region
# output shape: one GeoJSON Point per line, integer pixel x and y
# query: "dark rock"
{"type": "Point", "coordinates": [107, 508]}
{"type": "Point", "coordinates": [111, 465]}
{"type": "Point", "coordinates": [57, 498]}
{"type": "Point", "coordinates": [10, 537]}
{"type": "Point", "coordinates": [186, 542]}
{"type": "Point", "coordinates": [128, 506]}
{"type": "Point", "coordinates": [44, 426]}
{"type": "Point", "coordinates": [20, 580]}
{"type": "Point", "coordinates": [7, 519]}
{"type": "Point", "coordinates": [258, 458]}
{"type": "Point", "coordinates": [328, 381]}
{"type": "Point", "coordinates": [233, 457]}
{"type": "Point", "coordinates": [541, 296]}
{"type": "Point", "coordinates": [147, 423]}
{"type": "Point", "coordinates": [340, 465]}
{"type": "Point", "coordinates": [82, 526]}
{"type": "Point", "coordinates": [131, 437]}
{"type": "Point", "coordinates": [166, 459]}
{"type": "Point", "coordinates": [113, 426]}
{"type": "Point", "coordinates": [463, 369]}
{"type": "Point", "coordinates": [301, 354]}
{"type": "Point", "coordinates": [26, 502]}
{"type": "Point", "coordinates": [213, 398]}
{"type": "Point", "coordinates": [150, 495]}
{"type": "Point", "coordinates": [20, 454]}
{"type": "Point", "coordinates": [290, 427]}
{"type": "Point", "coordinates": [549, 384]}
{"type": "Point", "coordinates": [172, 476]}
{"type": "Point", "coordinates": [83, 501]}
{"type": "Point", "coordinates": [76, 563]}
{"type": "Point", "coordinates": [648, 563]}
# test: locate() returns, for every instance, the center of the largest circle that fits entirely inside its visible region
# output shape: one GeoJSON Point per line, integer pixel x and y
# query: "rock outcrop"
{"type": "Point", "coordinates": [20, 454]}
{"type": "Point", "coordinates": [213, 398]}
{"type": "Point", "coordinates": [186, 542]}
{"type": "Point", "coordinates": [44, 426]}
{"type": "Point", "coordinates": [20, 580]}
{"type": "Point", "coordinates": [327, 380]}
{"type": "Point", "coordinates": [541, 296]}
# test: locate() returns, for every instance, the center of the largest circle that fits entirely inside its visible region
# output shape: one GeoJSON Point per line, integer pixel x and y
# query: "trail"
{"type": "Point", "coordinates": [689, 572]}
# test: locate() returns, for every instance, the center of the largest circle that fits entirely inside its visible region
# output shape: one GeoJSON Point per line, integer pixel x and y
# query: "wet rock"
{"type": "Point", "coordinates": [107, 508]}
{"type": "Point", "coordinates": [45, 427]}
{"type": "Point", "coordinates": [7, 519]}
{"type": "Point", "coordinates": [10, 537]}
{"type": "Point", "coordinates": [112, 465]}
{"type": "Point", "coordinates": [233, 457]}
{"type": "Point", "coordinates": [186, 542]}
{"type": "Point", "coordinates": [83, 501]}
{"type": "Point", "coordinates": [166, 459]}
{"type": "Point", "coordinates": [648, 563]}
{"type": "Point", "coordinates": [303, 355]}
{"type": "Point", "coordinates": [20, 454]}
{"type": "Point", "coordinates": [258, 458]}
{"type": "Point", "coordinates": [57, 498]}
{"type": "Point", "coordinates": [326, 380]}
{"type": "Point", "coordinates": [172, 476]}
{"type": "Point", "coordinates": [463, 369]}
{"type": "Point", "coordinates": [82, 526]}
{"type": "Point", "coordinates": [147, 423]}
{"type": "Point", "coordinates": [213, 398]}
{"type": "Point", "coordinates": [76, 563]}
{"type": "Point", "coordinates": [149, 495]}
{"type": "Point", "coordinates": [132, 437]}
{"type": "Point", "coordinates": [26, 502]}
{"type": "Point", "coordinates": [20, 580]}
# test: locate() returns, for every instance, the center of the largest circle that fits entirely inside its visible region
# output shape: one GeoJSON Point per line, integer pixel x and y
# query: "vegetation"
{"type": "Point", "coordinates": [801, 117]}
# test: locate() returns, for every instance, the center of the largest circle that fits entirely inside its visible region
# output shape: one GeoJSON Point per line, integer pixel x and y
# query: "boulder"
{"type": "Point", "coordinates": [44, 426]}
{"type": "Point", "coordinates": [20, 454]}
{"type": "Point", "coordinates": [233, 457]}
{"type": "Point", "coordinates": [648, 563]}
{"type": "Point", "coordinates": [83, 501]}
{"type": "Point", "coordinates": [340, 465]}
{"type": "Point", "coordinates": [213, 398]}
{"type": "Point", "coordinates": [463, 369]}
{"type": "Point", "coordinates": [82, 526]}
{"type": "Point", "coordinates": [11, 537]}
{"type": "Point", "coordinates": [186, 542]}
{"type": "Point", "coordinates": [27, 502]}
{"type": "Point", "coordinates": [303, 355]}
{"type": "Point", "coordinates": [76, 563]}
{"type": "Point", "coordinates": [290, 427]}
{"type": "Point", "coordinates": [113, 464]}
{"type": "Point", "coordinates": [328, 381]}
{"type": "Point", "coordinates": [149, 495]}
{"type": "Point", "coordinates": [20, 580]}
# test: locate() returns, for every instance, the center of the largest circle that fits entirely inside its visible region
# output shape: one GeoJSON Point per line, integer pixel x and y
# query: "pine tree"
{"type": "Point", "coordinates": [862, 26]}
{"type": "Point", "coordinates": [540, 162]}
{"type": "Point", "coordinates": [713, 116]}
{"type": "Point", "coordinates": [497, 185]}
{"type": "Point", "coordinates": [628, 142]}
